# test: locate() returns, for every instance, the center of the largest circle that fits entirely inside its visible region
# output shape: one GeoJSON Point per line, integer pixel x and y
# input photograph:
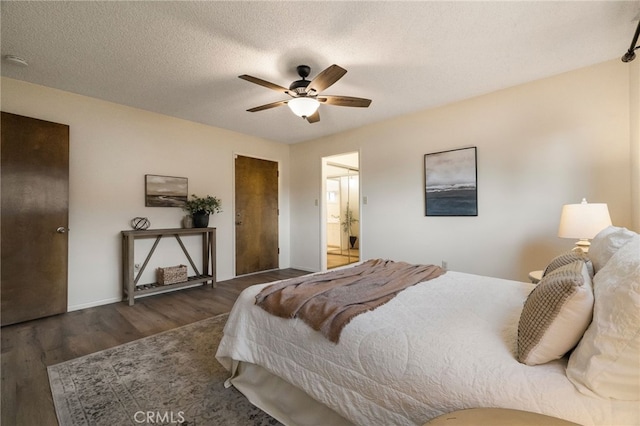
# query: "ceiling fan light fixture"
{"type": "Point", "coordinates": [303, 106]}
{"type": "Point", "coordinates": [304, 100]}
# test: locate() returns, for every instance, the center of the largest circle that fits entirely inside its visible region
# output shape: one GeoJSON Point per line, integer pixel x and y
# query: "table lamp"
{"type": "Point", "coordinates": [583, 221]}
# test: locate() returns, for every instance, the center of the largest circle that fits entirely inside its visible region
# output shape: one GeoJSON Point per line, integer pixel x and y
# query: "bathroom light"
{"type": "Point", "coordinates": [303, 106]}
{"type": "Point", "coordinates": [583, 221]}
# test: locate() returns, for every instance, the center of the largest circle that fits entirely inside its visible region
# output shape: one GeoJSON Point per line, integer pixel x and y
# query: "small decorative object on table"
{"type": "Point", "coordinates": [140, 223]}
{"type": "Point", "coordinates": [172, 274]}
{"type": "Point", "coordinates": [200, 208]}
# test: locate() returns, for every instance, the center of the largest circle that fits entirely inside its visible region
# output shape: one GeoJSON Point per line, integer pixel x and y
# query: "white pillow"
{"type": "Point", "coordinates": [606, 243]}
{"type": "Point", "coordinates": [567, 258]}
{"type": "Point", "coordinates": [556, 314]}
{"type": "Point", "coordinates": [607, 359]}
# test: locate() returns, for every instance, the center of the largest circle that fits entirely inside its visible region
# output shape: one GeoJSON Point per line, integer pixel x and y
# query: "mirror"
{"type": "Point", "coordinates": [343, 210]}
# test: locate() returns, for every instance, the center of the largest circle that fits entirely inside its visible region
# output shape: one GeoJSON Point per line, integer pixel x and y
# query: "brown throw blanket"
{"type": "Point", "coordinates": [327, 302]}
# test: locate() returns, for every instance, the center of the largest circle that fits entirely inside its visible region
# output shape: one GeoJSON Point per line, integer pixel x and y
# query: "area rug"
{"type": "Point", "coordinates": [166, 379]}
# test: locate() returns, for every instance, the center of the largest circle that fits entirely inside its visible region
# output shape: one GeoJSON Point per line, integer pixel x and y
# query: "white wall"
{"type": "Point", "coordinates": [634, 110]}
{"type": "Point", "coordinates": [540, 145]}
{"type": "Point", "coordinates": [112, 147]}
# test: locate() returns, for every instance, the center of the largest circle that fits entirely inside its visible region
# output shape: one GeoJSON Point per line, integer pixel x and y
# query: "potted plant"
{"type": "Point", "coordinates": [349, 219]}
{"type": "Point", "coordinates": [200, 208]}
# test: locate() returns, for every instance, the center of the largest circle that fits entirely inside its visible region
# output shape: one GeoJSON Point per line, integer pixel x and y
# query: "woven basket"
{"type": "Point", "coordinates": [172, 274]}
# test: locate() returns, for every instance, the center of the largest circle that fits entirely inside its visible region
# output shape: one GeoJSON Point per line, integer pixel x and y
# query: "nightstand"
{"type": "Point", "coordinates": [535, 276]}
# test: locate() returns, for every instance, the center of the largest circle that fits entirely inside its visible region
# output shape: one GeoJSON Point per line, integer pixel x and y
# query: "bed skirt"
{"type": "Point", "coordinates": [280, 399]}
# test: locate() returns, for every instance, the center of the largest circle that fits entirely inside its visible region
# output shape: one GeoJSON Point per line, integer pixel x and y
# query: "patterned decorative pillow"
{"type": "Point", "coordinates": [567, 258]}
{"type": "Point", "coordinates": [556, 314]}
{"type": "Point", "coordinates": [607, 359]}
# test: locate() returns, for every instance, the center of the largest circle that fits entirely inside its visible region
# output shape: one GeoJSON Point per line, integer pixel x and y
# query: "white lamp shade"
{"type": "Point", "coordinates": [584, 220]}
{"type": "Point", "coordinates": [303, 106]}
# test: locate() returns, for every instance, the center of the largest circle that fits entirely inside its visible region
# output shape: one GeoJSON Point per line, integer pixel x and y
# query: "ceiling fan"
{"type": "Point", "coordinates": [305, 93]}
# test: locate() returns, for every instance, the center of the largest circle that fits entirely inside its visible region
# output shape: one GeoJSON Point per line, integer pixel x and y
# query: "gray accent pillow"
{"type": "Point", "coordinates": [556, 314]}
{"type": "Point", "coordinates": [567, 258]}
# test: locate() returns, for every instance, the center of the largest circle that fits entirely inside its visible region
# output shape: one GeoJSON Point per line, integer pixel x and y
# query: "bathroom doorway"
{"type": "Point", "coordinates": [342, 209]}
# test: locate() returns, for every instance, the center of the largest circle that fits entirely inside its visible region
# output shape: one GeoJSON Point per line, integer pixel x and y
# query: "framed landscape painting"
{"type": "Point", "coordinates": [165, 191]}
{"type": "Point", "coordinates": [451, 183]}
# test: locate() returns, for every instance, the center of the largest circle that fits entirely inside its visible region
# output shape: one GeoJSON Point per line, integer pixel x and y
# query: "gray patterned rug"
{"type": "Point", "coordinates": [166, 379]}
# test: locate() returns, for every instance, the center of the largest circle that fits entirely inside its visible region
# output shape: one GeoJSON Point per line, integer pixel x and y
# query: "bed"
{"type": "Point", "coordinates": [443, 345]}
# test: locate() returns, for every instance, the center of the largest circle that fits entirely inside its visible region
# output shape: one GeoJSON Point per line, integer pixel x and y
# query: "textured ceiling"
{"type": "Point", "coordinates": [183, 58]}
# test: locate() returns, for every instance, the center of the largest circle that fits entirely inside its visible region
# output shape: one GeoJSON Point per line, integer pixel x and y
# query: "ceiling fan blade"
{"type": "Point", "coordinates": [346, 101]}
{"type": "Point", "coordinates": [267, 106]}
{"type": "Point", "coordinates": [264, 83]}
{"type": "Point", "coordinates": [326, 78]}
{"type": "Point", "coordinates": [314, 118]}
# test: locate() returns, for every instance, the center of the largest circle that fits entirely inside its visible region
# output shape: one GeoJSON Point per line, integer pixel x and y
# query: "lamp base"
{"type": "Point", "coordinates": [583, 244]}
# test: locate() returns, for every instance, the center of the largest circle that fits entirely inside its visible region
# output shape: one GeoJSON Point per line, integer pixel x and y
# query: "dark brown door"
{"type": "Point", "coordinates": [35, 217]}
{"type": "Point", "coordinates": [256, 215]}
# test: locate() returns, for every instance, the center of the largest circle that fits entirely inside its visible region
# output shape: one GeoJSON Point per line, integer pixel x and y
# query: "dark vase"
{"type": "Point", "coordinates": [352, 240]}
{"type": "Point", "coordinates": [200, 219]}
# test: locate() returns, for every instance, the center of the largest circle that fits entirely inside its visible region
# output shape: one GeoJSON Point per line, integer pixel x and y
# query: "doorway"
{"type": "Point", "coordinates": [256, 215]}
{"type": "Point", "coordinates": [342, 209]}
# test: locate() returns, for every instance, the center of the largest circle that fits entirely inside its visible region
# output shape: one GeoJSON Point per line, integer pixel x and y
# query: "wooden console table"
{"type": "Point", "coordinates": [130, 280]}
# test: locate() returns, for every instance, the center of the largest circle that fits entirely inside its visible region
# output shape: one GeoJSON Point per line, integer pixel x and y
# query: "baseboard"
{"type": "Point", "coordinates": [72, 308]}
{"type": "Point", "coordinates": [302, 268]}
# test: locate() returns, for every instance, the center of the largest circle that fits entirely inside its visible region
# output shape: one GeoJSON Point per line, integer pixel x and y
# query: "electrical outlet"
{"type": "Point", "coordinates": [445, 265]}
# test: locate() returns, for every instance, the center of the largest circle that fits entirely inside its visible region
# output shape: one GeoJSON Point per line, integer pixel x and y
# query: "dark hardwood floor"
{"type": "Point", "coordinates": [28, 348]}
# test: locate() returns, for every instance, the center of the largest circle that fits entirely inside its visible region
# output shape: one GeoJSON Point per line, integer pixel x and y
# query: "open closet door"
{"type": "Point", "coordinates": [35, 217]}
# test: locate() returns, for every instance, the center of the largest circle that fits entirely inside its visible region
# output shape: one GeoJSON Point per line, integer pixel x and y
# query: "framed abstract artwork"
{"type": "Point", "coordinates": [451, 179]}
{"type": "Point", "coordinates": [165, 191]}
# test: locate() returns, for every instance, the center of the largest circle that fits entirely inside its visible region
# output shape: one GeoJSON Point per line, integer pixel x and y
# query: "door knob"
{"type": "Point", "coordinates": [61, 230]}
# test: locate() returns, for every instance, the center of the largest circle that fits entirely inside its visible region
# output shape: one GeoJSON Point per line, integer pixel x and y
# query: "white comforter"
{"type": "Point", "coordinates": [443, 345]}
